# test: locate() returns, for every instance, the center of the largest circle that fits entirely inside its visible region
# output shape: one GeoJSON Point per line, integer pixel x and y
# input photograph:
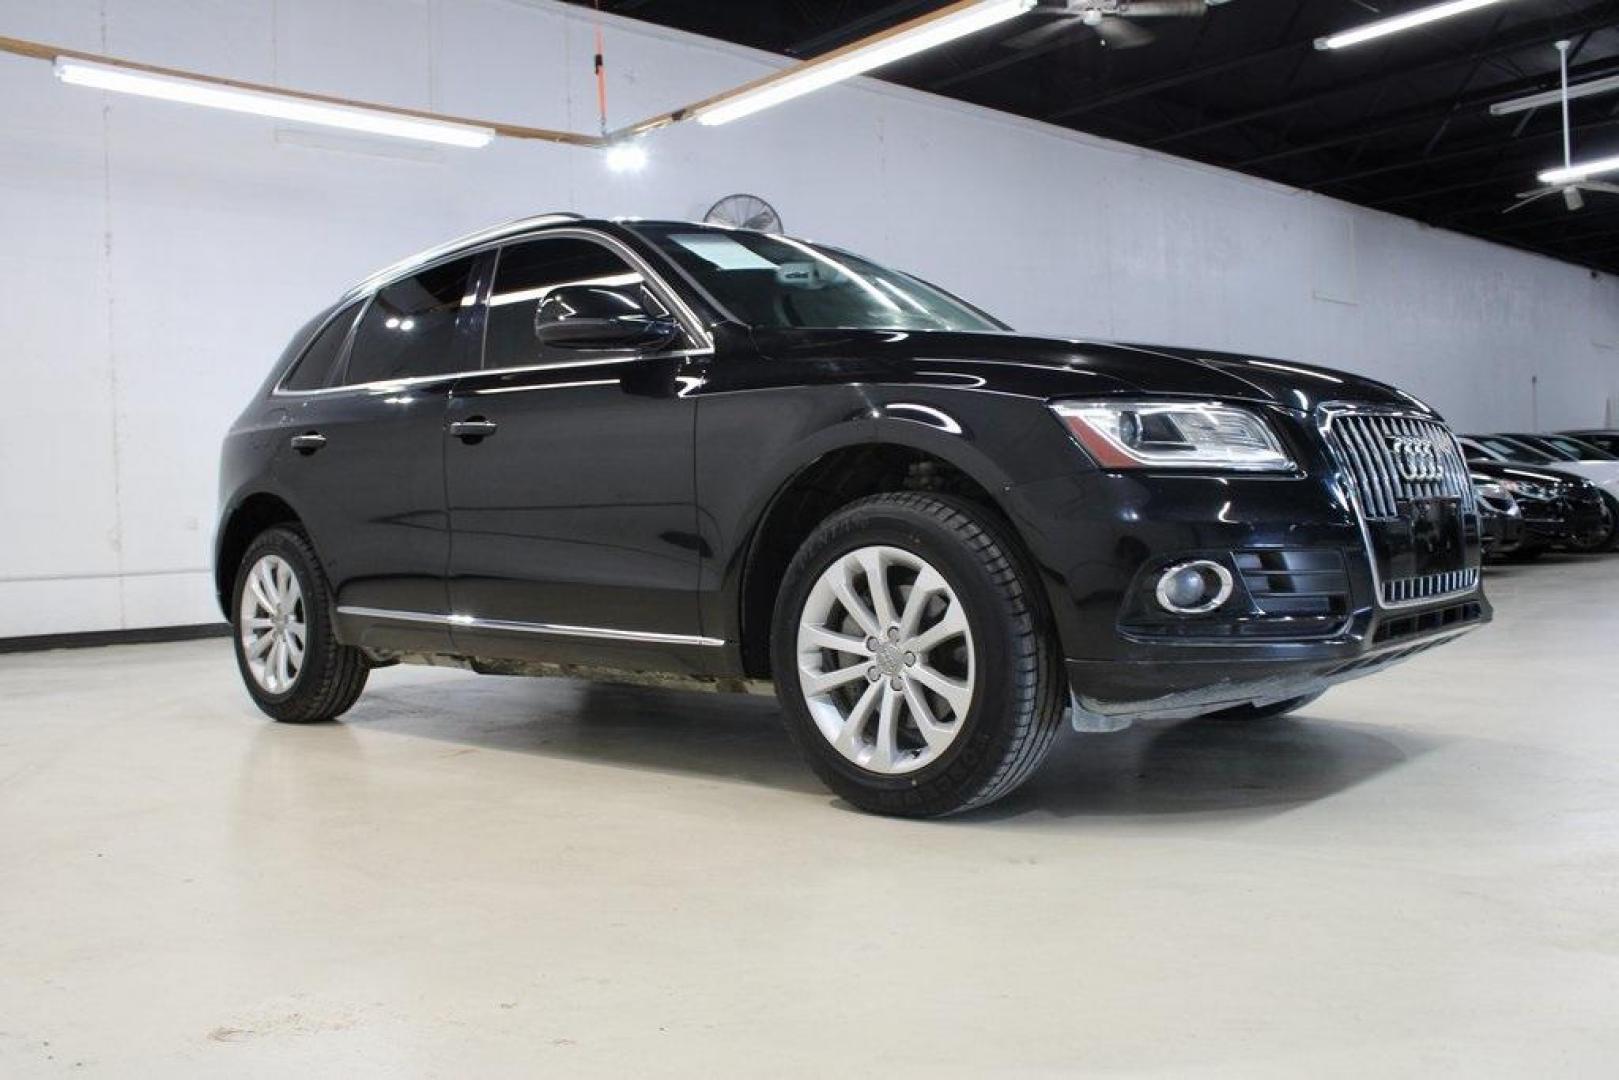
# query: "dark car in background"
{"type": "Point", "coordinates": [1606, 441]}
{"type": "Point", "coordinates": [1564, 447]}
{"type": "Point", "coordinates": [659, 447]}
{"type": "Point", "coordinates": [1500, 518]}
{"type": "Point", "coordinates": [1544, 455]}
{"type": "Point", "coordinates": [1557, 510]}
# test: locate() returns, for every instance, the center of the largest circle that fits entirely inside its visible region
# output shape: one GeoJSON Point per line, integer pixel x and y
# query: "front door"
{"type": "Point", "coordinates": [569, 474]}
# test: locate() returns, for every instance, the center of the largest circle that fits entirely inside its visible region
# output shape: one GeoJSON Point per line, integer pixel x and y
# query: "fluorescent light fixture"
{"type": "Point", "coordinates": [1552, 97]}
{"type": "Point", "coordinates": [626, 157]}
{"type": "Point", "coordinates": [1384, 27]}
{"type": "Point", "coordinates": [1573, 174]}
{"type": "Point", "coordinates": [262, 103]}
{"type": "Point", "coordinates": [813, 75]}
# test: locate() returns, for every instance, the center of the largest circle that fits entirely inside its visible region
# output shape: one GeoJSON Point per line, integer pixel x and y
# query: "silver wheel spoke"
{"type": "Point", "coordinates": [865, 670]}
{"type": "Point", "coordinates": [933, 732]}
{"type": "Point", "coordinates": [928, 584]}
{"type": "Point", "coordinates": [260, 594]}
{"type": "Point", "coordinates": [856, 608]}
{"type": "Point", "coordinates": [822, 638]}
{"type": "Point", "coordinates": [885, 743]}
{"type": "Point", "coordinates": [871, 563]}
{"type": "Point", "coordinates": [957, 694]}
{"type": "Point", "coordinates": [816, 683]}
{"type": "Point", "coordinates": [953, 623]}
{"type": "Point", "coordinates": [848, 741]}
{"type": "Point", "coordinates": [260, 645]}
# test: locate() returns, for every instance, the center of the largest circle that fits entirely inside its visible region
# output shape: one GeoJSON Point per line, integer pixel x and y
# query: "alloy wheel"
{"type": "Point", "coordinates": [272, 624]}
{"type": "Point", "coordinates": [886, 661]}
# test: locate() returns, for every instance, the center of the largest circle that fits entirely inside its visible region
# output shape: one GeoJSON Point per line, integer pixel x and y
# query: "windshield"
{"type": "Point", "coordinates": [1512, 450]}
{"type": "Point", "coordinates": [1576, 449]}
{"type": "Point", "coordinates": [775, 281]}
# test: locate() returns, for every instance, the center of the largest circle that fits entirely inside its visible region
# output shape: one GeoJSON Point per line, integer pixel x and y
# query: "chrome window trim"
{"type": "Point", "coordinates": [505, 626]}
{"type": "Point", "coordinates": [471, 241]}
{"type": "Point", "coordinates": [1329, 411]}
{"type": "Point", "coordinates": [690, 323]}
{"type": "Point", "coordinates": [359, 305]}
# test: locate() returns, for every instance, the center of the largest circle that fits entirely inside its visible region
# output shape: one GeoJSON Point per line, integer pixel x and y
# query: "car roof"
{"type": "Point", "coordinates": [509, 228]}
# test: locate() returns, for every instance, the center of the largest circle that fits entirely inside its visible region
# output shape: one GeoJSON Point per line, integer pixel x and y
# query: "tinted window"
{"type": "Point", "coordinates": [777, 281]}
{"type": "Point", "coordinates": [527, 273]}
{"type": "Point", "coordinates": [1577, 449]}
{"type": "Point", "coordinates": [314, 369]}
{"type": "Point", "coordinates": [1511, 450]}
{"type": "Point", "coordinates": [409, 329]}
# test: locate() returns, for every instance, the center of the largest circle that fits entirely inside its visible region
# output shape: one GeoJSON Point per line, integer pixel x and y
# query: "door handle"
{"type": "Point", "coordinates": [308, 442]}
{"type": "Point", "coordinates": [473, 431]}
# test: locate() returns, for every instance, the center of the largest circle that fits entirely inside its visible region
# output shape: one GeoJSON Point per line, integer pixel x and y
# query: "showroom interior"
{"type": "Point", "coordinates": [1231, 796]}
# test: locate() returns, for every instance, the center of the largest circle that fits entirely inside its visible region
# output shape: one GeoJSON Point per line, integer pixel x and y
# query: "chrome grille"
{"type": "Point", "coordinates": [1368, 446]}
{"type": "Point", "coordinates": [1426, 586]}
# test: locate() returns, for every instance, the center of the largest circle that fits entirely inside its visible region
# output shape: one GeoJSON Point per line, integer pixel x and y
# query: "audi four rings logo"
{"type": "Point", "coordinates": [1415, 459]}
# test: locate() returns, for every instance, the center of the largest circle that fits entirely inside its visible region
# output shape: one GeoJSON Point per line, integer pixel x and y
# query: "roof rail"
{"type": "Point", "coordinates": [494, 232]}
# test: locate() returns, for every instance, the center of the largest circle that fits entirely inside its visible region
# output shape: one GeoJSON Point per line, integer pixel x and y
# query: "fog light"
{"type": "Point", "coordinates": [1193, 588]}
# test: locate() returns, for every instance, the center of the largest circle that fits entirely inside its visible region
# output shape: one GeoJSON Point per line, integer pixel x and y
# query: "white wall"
{"type": "Point", "coordinates": [154, 258]}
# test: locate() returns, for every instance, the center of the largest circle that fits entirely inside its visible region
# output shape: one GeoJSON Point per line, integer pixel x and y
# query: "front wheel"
{"type": "Point", "coordinates": [913, 658]}
{"type": "Point", "coordinates": [290, 659]}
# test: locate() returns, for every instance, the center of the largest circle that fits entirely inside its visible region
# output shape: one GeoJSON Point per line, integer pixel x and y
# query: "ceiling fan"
{"type": "Point", "coordinates": [1573, 192]}
{"type": "Point", "coordinates": [1109, 20]}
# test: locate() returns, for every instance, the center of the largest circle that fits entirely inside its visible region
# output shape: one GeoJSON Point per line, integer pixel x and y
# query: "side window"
{"type": "Point", "coordinates": [529, 272]}
{"type": "Point", "coordinates": [314, 369]}
{"type": "Point", "coordinates": [409, 329]}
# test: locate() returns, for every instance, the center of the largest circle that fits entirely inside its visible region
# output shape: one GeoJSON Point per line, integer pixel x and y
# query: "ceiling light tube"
{"type": "Point", "coordinates": [1552, 97]}
{"type": "Point", "coordinates": [262, 103]}
{"type": "Point", "coordinates": [930, 32]}
{"type": "Point", "coordinates": [1573, 174]}
{"type": "Point", "coordinates": [1385, 27]}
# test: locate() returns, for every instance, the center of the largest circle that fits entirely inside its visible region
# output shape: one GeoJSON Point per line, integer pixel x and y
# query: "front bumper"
{"type": "Point", "coordinates": [1309, 610]}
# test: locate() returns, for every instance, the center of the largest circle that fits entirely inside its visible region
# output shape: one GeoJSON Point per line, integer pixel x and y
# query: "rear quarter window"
{"type": "Point", "coordinates": [314, 368]}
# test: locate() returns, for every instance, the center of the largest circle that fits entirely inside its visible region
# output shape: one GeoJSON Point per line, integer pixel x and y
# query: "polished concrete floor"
{"type": "Point", "coordinates": [479, 877]}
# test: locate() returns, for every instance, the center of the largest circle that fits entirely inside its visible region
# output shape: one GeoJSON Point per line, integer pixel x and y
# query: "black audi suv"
{"type": "Point", "coordinates": [632, 447]}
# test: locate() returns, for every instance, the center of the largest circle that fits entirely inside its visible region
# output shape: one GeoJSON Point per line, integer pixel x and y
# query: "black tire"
{"type": "Point", "coordinates": [1275, 709]}
{"type": "Point", "coordinates": [1021, 689]}
{"type": "Point", "coordinates": [332, 674]}
{"type": "Point", "coordinates": [1522, 554]}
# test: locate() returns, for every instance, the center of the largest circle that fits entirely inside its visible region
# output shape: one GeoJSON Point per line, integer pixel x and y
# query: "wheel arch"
{"type": "Point", "coordinates": [252, 515]}
{"type": "Point", "coordinates": [893, 455]}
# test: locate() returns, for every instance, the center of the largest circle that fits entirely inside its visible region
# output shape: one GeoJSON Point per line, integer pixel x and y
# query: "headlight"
{"type": "Point", "coordinates": [1158, 434]}
{"type": "Point", "coordinates": [1529, 489]}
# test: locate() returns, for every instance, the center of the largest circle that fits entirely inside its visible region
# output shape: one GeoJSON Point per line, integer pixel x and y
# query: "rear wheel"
{"type": "Point", "coordinates": [290, 659]}
{"type": "Point", "coordinates": [1263, 712]}
{"type": "Point", "coordinates": [913, 659]}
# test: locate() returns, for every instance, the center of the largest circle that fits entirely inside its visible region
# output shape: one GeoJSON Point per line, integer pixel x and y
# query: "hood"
{"type": "Point", "coordinates": [1539, 474]}
{"type": "Point", "coordinates": [1604, 474]}
{"type": "Point", "coordinates": [1061, 367]}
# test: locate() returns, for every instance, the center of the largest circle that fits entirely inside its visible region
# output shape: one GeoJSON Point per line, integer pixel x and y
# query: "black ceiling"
{"type": "Point", "coordinates": [1401, 124]}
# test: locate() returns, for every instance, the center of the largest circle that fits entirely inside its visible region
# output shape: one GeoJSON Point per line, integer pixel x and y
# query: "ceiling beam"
{"type": "Point", "coordinates": [1403, 118]}
{"type": "Point", "coordinates": [1517, 43]}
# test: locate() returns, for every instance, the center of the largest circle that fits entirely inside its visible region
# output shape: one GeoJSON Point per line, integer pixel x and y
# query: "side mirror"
{"type": "Point", "coordinates": [600, 317]}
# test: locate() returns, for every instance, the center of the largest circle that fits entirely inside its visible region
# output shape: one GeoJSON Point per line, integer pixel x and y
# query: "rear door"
{"type": "Point", "coordinates": [364, 456]}
{"type": "Point", "coordinates": [569, 476]}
